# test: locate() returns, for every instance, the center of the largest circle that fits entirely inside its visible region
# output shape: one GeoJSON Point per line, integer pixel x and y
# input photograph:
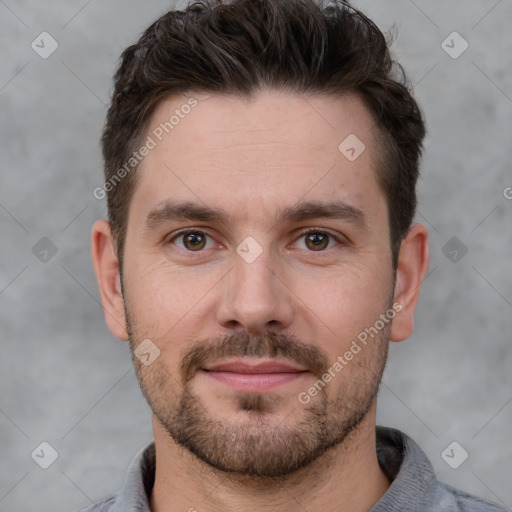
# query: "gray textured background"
{"type": "Point", "coordinates": [67, 381]}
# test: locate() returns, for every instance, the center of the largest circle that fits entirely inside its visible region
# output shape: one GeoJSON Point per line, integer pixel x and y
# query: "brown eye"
{"type": "Point", "coordinates": [193, 241]}
{"type": "Point", "coordinates": [317, 241]}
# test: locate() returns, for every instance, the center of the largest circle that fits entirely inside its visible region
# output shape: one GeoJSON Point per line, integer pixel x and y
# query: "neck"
{"type": "Point", "coordinates": [346, 478]}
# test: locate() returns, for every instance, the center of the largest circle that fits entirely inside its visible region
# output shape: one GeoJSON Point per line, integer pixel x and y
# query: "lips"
{"type": "Point", "coordinates": [254, 376]}
{"type": "Point", "coordinates": [244, 366]}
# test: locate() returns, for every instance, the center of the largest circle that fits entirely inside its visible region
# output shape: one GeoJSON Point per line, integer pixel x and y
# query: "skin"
{"type": "Point", "coordinates": [214, 444]}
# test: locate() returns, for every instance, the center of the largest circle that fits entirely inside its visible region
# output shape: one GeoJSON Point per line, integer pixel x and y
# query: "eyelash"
{"type": "Point", "coordinates": [304, 233]}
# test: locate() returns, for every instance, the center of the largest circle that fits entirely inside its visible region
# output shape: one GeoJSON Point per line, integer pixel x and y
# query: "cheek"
{"type": "Point", "coordinates": [344, 304]}
{"type": "Point", "coordinates": [162, 298]}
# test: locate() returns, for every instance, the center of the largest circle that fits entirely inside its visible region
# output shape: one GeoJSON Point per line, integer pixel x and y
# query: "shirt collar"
{"type": "Point", "coordinates": [413, 480]}
{"type": "Point", "coordinates": [138, 483]}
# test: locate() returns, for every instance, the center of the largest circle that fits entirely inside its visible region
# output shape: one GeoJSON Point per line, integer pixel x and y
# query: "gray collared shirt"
{"type": "Point", "coordinates": [414, 486]}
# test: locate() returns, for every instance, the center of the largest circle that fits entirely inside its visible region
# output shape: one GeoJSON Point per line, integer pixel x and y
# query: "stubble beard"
{"type": "Point", "coordinates": [259, 446]}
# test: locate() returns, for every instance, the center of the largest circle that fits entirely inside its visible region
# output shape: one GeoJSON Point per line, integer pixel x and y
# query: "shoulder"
{"type": "Point", "coordinates": [456, 500]}
{"type": "Point", "coordinates": [134, 494]}
{"type": "Point", "coordinates": [414, 484]}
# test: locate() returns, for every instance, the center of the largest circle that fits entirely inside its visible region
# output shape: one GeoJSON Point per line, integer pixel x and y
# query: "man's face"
{"type": "Point", "coordinates": [257, 286]}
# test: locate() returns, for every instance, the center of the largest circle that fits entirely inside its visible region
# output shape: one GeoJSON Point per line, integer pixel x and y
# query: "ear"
{"type": "Point", "coordinates": [412, 266]}
{"type": "Point", "coordinates": [107, 272]}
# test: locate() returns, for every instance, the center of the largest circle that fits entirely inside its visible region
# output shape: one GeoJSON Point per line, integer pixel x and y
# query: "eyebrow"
{"type": "Point", "coordinates": [171, 210]}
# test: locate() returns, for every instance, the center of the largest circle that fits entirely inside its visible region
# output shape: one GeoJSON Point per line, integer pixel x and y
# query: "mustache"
{"type": "Point", "coordinates": [271, 345]}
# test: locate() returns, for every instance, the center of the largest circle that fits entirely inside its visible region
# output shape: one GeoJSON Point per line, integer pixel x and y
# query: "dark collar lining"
{"type": "Point", "coordinates": [390, 450]}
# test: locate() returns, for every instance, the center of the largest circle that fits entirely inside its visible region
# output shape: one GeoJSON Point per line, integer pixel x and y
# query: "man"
{"type": "Point", "coordinates": [261, 158]}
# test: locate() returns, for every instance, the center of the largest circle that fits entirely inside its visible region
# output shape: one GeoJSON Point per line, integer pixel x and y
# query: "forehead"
{"type": "Point", "coordinates": [274, 147]}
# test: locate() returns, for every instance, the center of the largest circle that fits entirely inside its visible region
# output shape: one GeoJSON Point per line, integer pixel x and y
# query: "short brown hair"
{"type": "Point", "coordinates": [238, 47]}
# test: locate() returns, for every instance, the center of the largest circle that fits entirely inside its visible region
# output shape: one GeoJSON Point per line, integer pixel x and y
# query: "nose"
{"type": "Point", "coordinates": [255, 297]}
